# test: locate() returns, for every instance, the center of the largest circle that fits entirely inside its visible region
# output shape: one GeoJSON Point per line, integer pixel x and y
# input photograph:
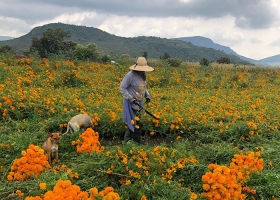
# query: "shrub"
{"type": "Point", "coordinates": [174, 62]}
{"type": "Point", "coordinates": [204, 62]}
{"type": "Point", "coordinates": [223, 60]}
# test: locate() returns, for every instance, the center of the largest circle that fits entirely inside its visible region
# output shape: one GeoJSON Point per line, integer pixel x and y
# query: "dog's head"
{"type": "Point", "coordinates": [55, 137]}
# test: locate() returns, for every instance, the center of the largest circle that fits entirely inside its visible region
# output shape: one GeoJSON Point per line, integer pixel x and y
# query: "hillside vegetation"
{"type": "Point", "coordinates": [217, 136]}
{"type": "Point", "coordinates": [116, 46]}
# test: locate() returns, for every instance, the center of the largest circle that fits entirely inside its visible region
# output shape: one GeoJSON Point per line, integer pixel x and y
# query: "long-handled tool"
{"type": "Point", "coordinates": [141, 107]}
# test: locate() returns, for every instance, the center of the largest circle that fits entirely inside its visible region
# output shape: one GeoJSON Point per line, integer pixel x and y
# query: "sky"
{"type": "Point", "coordinates": [249, 27]}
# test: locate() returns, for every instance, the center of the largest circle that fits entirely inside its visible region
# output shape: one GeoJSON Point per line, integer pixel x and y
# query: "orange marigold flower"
{"type": "Point", "coordinates": [143, 197]}
{"type": "Point", "coordinates": [206, 187]}
{"type": "Point", "coordinates": [43, 186]}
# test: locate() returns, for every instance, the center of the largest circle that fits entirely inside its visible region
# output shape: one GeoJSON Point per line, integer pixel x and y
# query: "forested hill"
{"type": "Point", "coordinates": [116, 46]}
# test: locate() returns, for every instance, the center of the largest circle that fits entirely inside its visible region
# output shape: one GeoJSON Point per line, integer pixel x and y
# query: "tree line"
{"type": "Point", "coordinates": [54, 43]}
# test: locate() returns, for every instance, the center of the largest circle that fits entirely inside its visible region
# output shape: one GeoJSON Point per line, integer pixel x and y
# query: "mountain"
{"type": "Point", "coordinates": [208, 43]}
{"type": "Point", "coordinates": [116, 46]}
{"type": "Point", "coordinates": [2, 38]}
{"type": "Point", "coordinates": [272, 60]}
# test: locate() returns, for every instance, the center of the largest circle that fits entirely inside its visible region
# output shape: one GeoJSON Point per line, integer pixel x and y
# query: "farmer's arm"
{"type": "Point", "coordinates": [147, 94]}
{"type": "Point", "coordinates": [124, 87]}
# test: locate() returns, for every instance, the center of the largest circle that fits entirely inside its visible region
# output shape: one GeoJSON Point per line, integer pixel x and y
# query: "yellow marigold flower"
{"type": "Point", "coordinates": [41, 151]}
{"type": "Point", "coordinates": [19, 193]}
{"type": "Point", "coordinates": [93, 191]}
{"type": "Point", "coordinates": [10, 177]}
{"type": "Point", "coordinates": [193, 196]}
{"type": "Point", "coordinates": [137, 127]}
{"type": "Point", "coordinates": [43, 186]}
{"type": "Point", "coordinates": [136, 118]}
{"type": "Point", "coordinates": [132, 121]}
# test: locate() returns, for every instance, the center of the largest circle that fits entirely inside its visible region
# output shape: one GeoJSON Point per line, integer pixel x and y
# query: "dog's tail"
{"type": "Point", "coordinates": [68, 129]}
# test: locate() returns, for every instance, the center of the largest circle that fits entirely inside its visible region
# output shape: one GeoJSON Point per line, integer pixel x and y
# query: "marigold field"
{"type": "Point", "coordinates": [217, 136]}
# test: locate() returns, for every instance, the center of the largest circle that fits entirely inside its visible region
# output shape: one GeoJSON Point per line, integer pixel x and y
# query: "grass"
{"type": "Point", "coordinates": [208, 115]}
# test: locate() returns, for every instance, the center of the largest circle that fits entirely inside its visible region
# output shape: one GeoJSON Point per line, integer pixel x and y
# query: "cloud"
{"type": "Point", "coordinates": [275, 43]}
{"type": "Point", "coordinates": [251, 14]}
{"type": "Point", "coordinates": [247, 26]}
{"type": "Point", "coordinates": [13, 26]}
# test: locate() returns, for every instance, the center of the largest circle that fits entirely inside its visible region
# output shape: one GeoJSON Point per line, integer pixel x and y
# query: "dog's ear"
{"type": "Point", "coordinates": [60, 134]}
{"type": "Point", "coordinates": [50, 135]}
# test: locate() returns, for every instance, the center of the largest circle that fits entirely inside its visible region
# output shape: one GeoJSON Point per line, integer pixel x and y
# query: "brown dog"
{"type": "Point", "coordinates": [50, 146]}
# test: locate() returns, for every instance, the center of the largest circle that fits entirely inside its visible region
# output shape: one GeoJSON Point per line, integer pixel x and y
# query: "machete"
{"type": "Point", "coordinates": [141, 107]}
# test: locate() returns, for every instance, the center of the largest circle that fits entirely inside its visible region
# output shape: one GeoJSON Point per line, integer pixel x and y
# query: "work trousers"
{"type": "Point", "coordinates": [136, 135]}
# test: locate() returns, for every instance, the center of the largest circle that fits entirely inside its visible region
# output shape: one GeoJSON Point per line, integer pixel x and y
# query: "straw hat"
{"type": "Point", "coordinates": [141, 65]}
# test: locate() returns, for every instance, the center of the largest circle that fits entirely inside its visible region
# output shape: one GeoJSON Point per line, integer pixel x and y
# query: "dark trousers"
{"type": "Point", "coordinates": [136, 135]}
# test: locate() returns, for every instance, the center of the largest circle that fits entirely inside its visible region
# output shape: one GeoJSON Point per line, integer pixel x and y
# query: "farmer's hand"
{"type": "Point", "coordinates": [135, 102]}
{"type": "Point", "coordinates": [148, 100]}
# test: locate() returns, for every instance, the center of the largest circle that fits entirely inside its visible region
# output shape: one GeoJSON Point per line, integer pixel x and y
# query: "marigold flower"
{"type": "Point", "coordinates": [206, 187]}
{"type": "Point", "coordinates": [143, 197]}
{"type": "Point", "coordinates": [43, 186]}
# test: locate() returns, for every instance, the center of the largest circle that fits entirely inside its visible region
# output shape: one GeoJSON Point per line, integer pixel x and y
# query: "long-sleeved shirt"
{"type": "Point", "coordinates": [133, 86]}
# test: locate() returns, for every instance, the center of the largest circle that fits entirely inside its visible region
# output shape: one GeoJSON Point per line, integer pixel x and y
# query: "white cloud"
{"type": "Point", "coordinates": [250, 28]}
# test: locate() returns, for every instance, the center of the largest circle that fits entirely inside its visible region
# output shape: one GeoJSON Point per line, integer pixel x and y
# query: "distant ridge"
{"type": "Point", "coordinates": [116, 46]}
{"type": "Point", "coordinates": [208, 43]}
{"type": "Point", "coordinates": [2, 38]}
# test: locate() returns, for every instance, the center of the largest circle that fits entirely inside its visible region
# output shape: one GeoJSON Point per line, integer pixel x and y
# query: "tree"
{"type": "Point", "coordinates": [223, 60]}
{"type": "Point", "coordinates": [79, 52]}
{"type": "Point", "coordinates": [145, 55]}
{"type": "Point", "coordinates": [6, 49]}
{"type": "Point", "coordinates": [105, 58]}
{"type": "Point", "coordinates": [89, 52]}
{"type": "Point", "coordinates": [174, 62]}
{"type": "Point", "coordinates": [165, 56]}
{"type": "Point", "coordinates": [52, 43]}
{"type": "Point", "coordinates": [93, 53]}
{"type": "Point", "coordinates": [204, 62]}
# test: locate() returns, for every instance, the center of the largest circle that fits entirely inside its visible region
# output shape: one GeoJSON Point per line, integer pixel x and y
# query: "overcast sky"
{"type": "Point", "coordinates": [250, 27]}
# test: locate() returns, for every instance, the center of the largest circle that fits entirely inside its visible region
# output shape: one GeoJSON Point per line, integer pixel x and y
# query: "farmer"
{"type": "Point", "coordinates": [133, 89]}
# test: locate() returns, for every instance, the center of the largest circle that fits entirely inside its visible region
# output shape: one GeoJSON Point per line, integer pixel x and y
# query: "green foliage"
{"type": "Point", "coordinates": [88, 52]}
{"type": "Point", "coordinates": [6, 49]}
{"type": "Point", "coordinates": [205, 112]}
{"type": "Point", "coordinates": [174, 62]}
{"type": "Point", "coordinates": [52, 43]}
{"type": "Point", "coordinates": [165, 56]}
{"type": "Point", "coordinates": [125, 60]}
{"type": "Point", "coordinates": [145, 55]}
{"type": "Point", "coordinates": [115, 46]}
{"type": "Point", "coordinates": [223, 60]}
{"type": "Point", "coordinates": [106, 58]}
{"type": "Point", "coordinates": [204, 62]}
